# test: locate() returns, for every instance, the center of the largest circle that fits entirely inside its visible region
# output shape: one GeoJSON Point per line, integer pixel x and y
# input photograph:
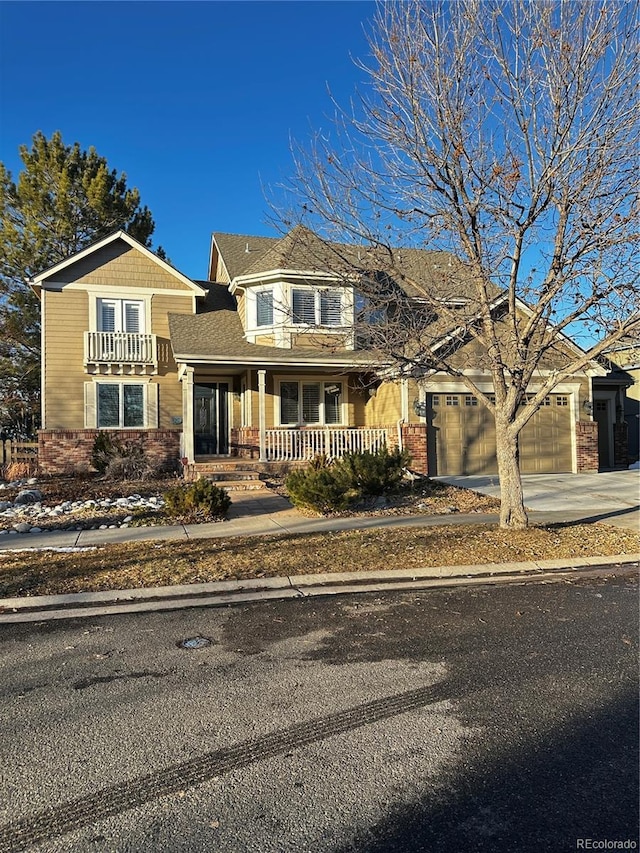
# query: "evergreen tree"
{"type": "Point", "coordinates": [64, 200]}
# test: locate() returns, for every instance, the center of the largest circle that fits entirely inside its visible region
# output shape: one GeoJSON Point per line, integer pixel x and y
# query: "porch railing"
{"type": "Point", "coordinates": [122, 347]}
{"type": "Point", "coordinates": [299, 445]}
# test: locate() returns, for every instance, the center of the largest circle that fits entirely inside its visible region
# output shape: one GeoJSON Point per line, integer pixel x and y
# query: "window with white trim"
{"type": "Point", "coordinates": [121, 405]}
{"type": "Point", "coordinates": [310, 403]}
{"type": "Point", "coordinates": [316, 307]}
{"type": "Point", "coordinates": [264, 308]}
{"type": "Point", "coordinates": [121, 315]}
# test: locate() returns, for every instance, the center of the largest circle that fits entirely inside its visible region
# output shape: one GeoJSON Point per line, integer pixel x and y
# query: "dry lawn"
{"type": "Point", "coordinates": [163, 564]}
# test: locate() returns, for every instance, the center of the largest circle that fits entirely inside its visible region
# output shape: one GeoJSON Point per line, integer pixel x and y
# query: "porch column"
{"type": "Point", "coordinates": [404, 399]}
{"type": "Point", "coordinates": [262, 417]}
{"type": "Point", "coordinates": [187, 415]}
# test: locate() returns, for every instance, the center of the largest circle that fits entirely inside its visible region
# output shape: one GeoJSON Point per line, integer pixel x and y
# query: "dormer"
{"type": "Point", "coordinates": [285, 298]}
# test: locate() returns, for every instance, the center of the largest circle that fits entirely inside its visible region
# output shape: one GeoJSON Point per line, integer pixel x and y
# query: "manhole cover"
{"type": "Point", "coordinates": [195, 643]}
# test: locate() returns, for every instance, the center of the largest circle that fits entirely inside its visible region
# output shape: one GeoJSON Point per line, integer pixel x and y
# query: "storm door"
{"type": "Point", "coordinates": [211, 419]}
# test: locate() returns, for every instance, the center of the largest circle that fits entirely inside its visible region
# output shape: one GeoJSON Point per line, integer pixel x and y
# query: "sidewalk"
{"type": "Point", "coordinates": [264, 513]}
{"type": "Point", "coordinates": [261, 513]}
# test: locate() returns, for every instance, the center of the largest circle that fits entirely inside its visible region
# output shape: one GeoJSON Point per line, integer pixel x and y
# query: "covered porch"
{"type": "Point", "coordinates": [289, 415]}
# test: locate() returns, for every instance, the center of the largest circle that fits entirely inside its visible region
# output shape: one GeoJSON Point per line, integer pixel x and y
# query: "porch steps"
{"type": "Point", "coordinates": [229, 475]}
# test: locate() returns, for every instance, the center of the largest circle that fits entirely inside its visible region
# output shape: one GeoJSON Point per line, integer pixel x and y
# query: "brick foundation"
{"type": "Point", "coordinates": [69, 451]}
{"type": "Point", "coordinates": [245, 442]}
{"type": "Point", "coordinates": [587, 446]}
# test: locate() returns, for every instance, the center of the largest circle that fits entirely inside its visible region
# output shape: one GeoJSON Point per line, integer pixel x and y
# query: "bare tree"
{"type": "Point", "coordinates": [503, 134]}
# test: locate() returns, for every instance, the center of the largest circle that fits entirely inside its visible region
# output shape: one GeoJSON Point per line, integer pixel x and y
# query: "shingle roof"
{"type": "Point", "coordinates": [239, 251]}
{"type": "Point", "coordinates": [418, 272]}
{"type": "Point", "coordinates": [217, 335]}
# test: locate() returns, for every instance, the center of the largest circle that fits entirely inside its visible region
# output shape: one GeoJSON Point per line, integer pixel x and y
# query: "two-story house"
{"type": "Point", "coordinates": [259, 362]}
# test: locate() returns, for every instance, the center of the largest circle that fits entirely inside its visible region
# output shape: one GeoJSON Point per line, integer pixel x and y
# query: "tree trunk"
{"type": "Point", "coordinates": [512, 511]}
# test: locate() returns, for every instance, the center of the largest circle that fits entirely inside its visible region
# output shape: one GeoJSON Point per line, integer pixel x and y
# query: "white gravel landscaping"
{"type": "Point", "coordinates": [28, 510]}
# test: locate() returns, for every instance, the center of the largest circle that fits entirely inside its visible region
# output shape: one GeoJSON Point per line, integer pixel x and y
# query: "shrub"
{"type": "Point", "coordinates": [118, 460]}
{"type": "Point", "coordinates": [105, 447]}
{"type": "Point", "coordinates": [200, 499]}
{"type": "Point", "coordinates": [318, 489]}
{"type": "Point", "coordinates": [330, 487]}
{"type": "Point", "coordinates": [372, 475]}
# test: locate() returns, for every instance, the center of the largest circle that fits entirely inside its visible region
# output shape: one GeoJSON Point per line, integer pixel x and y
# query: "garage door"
{"type": "Point", "coordinates": [462, 439]}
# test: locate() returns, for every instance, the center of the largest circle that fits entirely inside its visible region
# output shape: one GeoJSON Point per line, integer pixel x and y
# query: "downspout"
{"type": "Point", "coordinates": [399, 428]}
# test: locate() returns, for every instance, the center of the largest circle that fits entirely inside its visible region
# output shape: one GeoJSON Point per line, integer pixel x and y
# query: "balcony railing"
{"type": "Point", "coordinates": [120, 348]}
{"type": "Point", "coordinates": [298, 445]}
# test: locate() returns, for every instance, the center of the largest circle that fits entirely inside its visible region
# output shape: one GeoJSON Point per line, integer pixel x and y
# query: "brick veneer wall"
{"type": "Point", "coordinates": [414, 439]}
{"type": "Point", "coordinates": [587, 446]}
{"type": "Point", "coordinates": [621, 444]}
{"type": "Point", "coordinates": [68, 451]}
{"type": "Point", "coordinates": [245, 442]}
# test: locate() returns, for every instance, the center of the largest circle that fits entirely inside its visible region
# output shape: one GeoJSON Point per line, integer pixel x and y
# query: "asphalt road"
{"type": "Point", "coordinates": [494, 719]}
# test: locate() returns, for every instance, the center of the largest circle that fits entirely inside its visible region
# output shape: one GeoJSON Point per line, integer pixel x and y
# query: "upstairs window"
{"type": "Point", "coordinates": [264, 308]}
{"type": "Point", "coordinates": [120, 315]}
{"type": "Point", "coordinates": [304, 307]}
{"type": "Point", "coordinates": [316, 307]}
{"type": "Point", "coordinates": [330, 308]}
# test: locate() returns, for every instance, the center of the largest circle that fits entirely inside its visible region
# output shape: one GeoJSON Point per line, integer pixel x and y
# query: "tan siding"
{"type": "Point", "coordinates": [414, 393]}
{"type": "Point", "coordinates": [161, 306]}
{"type": "Point", "coordinates": [265, 340]}
{"type": "Point", "coordinates": [314, 340]}
{"type": "Point", "coordinates": [66, 318]}
{"type": "Point", "coordinates": [170, 400]}
{"type": "Point", "coordinates": [241, 302]}
{"type": "Point", "coordinates": [221, 271]}
{"type": "Point", "coordinates": [120, 265]}
{"type": "Point", "coordinates": [385, 407]}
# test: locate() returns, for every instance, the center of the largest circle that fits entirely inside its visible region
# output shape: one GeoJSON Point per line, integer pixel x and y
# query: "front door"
{"type": "Point", "coordinates": [211, 418]}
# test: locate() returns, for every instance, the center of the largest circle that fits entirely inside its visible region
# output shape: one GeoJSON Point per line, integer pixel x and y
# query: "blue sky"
{"type": "Point", "coordinates": [195, 101]}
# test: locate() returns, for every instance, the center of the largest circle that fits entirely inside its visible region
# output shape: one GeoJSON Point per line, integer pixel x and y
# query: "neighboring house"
{"type": "Point", "coordinates": [261, 362]}
{"type": "Point", "coordinates": [626, 356]}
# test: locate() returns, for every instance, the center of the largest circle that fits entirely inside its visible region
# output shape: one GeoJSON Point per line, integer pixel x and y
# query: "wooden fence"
{"type": "Point", "coordinates": [19, 451]}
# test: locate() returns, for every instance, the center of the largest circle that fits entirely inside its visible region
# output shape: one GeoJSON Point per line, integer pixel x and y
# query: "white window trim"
{"type": "Point", "coordinates": [150, 402]}
{"type": "Point", "coordinates": [94, 309]}
{"type": "Point", "coordinates": [317, 291]}
{"type": "Point", "coordinates": [311, 380]}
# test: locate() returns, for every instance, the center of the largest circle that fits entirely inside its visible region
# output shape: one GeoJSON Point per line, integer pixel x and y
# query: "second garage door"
{"type": "Point", "coordinates": [462, 438]}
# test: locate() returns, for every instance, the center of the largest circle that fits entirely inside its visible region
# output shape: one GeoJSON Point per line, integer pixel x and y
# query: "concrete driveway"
{"type": "Point", "coordinates": [613, 496]}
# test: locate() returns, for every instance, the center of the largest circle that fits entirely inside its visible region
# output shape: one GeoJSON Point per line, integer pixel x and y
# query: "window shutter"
{"type": "Point", "coordinates": [152, 405]}
{"type": "Point", "coordinates": [331, 308]}
{"type": "Point", "coordinates": [90, 416]}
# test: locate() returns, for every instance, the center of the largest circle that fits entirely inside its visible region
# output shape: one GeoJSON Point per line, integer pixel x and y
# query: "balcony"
{"type": "Point", "coordinates": [120, 353]}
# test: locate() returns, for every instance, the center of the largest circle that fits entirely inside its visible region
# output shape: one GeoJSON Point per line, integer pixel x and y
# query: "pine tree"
{"type": "Point", "coordinates": [64, 200]}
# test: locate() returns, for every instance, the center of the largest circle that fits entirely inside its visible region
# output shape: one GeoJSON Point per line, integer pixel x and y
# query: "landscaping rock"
{"type": "Point", "coordinates": [22, 527]}
{"type": "Point", "coordinates": [28, 496]}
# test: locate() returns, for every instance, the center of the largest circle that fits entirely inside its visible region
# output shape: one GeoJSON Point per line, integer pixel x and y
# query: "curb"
{"type": "Point", "coordinates": [40, 608]}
